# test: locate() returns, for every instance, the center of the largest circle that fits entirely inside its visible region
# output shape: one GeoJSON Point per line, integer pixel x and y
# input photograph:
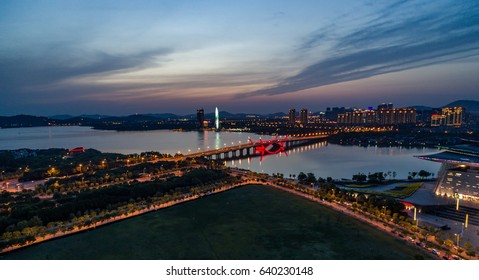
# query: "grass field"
{"type": "Point", "coordinates": [400, 191]}
{"type": "Point", "coordinates": [252, 222]}
{"type": "Point", "coordinates": [405, 190]}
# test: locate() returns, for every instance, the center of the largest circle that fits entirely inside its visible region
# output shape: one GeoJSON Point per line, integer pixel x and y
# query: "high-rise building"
{"type": "Point", "coordinates": [200, 117]}
{"type": "Point", "coordinates": [292, 116]}
{"type": "Point", "coordinates": [385, 106]}
{"type": "Point", "coordinates": [448, 117]}
{"type": "Point", "coordinates": [453, 116]}
{"type": "Point", "coordinates": [382, 116]}
{"type": "Point", "coordinates": [304, 116]}
{"type": "Point", "coordinates": [387, 116]}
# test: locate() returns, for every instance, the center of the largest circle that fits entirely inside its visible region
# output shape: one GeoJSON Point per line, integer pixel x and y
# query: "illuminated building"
{"type": "Point", "coordinates": [304, 116]}
{"type": "Point", "coordinates": [448, 117]}
{"type": "Point", "coordinates": [459, 173]}
{"type": "Point", "coordinates": [383, 116]}
{"type": "Point", "coordinates": [385, 106]}
{"type": "Point", "coordinates": [292, 116]}
{"type": "Point", "coordinates": [438, 120]}
{"type": "Point", "coordinates": [397, 116]}
{"type": "Point", "coordinates": [200, 117]}
{"type": "Point", "coordinates": [217, 119]}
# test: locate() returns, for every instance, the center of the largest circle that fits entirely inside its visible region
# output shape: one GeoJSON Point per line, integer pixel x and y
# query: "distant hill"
{"type": "Point", "coordinates": [61, 117]}
{"type": "Point", "coordinates": [277, 115]}
{"type": "Point", "coordinates": [24, 121]}
{"type": "Point", "coordinates": [164, 116]}
{"type": "Point", "coordinates": [421, 108]}
{"type": "Point", "coordinates": [68, 117]}
{"type": "Point", "coordinates": [470, 105]}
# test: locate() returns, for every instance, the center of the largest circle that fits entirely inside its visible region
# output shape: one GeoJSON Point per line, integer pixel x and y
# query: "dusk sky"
{"type": "Point", "coordinates": [124, 57]}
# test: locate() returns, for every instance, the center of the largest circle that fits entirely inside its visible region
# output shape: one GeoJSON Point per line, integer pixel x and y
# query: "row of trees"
{"type": "Point", "coordinates": [27, 165]}
{"type": "Point", "coordinates": [43, 216]}
{"type": "Point", "coordinates": [310, 178]}
{"type": "Point", "coordinates": [329, 192]}
{"type": "Point", "coordinates": [385, 210]}
{"type": "Point", "coordinates": [422, 173]}
{"type": "Point", "coordinates": [379, 177]}
{"type": "Point", "coordinates": [95, 179]}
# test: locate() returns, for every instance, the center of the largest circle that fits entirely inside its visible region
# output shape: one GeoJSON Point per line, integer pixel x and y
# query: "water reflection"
{"type": "Point", "coordinates": [329, 160]}
{"type": "Point", "coordinates": [320, 158]}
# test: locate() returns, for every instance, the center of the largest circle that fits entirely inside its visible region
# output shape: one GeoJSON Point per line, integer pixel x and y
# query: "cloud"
{"type": "Point", "coordinates": [62, 62]}
{"type": "Point", "coordinates": [401, 36]}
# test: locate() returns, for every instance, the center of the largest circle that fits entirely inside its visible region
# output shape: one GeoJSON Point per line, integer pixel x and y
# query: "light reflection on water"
{"type": "Point", "coordinates": [330, 160]}
{"type": "Point", "coordinates": [321, 158]}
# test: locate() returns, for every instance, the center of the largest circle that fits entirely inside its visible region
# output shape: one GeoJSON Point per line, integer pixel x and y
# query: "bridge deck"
{"type": "Point", "coordinates": [246, 146]}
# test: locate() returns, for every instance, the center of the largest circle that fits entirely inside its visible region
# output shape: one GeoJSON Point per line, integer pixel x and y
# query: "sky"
{"type": "Point", "coordinates": [124, 57]}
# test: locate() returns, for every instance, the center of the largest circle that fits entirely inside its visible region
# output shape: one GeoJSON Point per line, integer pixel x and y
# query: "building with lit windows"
{"type": "Point", "coordinates": [304, 116]}
{"type": "Point", "coordinates": [200, 117]}
{"type": "Point", "coordinates": [448, 117]}
{"type": "Point", "coordinates": [292, 116]}
{"type": "Point", "coordinates": [382, 116]}
{"type": "Point", "coordinates": [459, 173]}
{"type": "Point", "coordinates": [390, 116]}
{"type": "Point", "coordinates": [385, 106]}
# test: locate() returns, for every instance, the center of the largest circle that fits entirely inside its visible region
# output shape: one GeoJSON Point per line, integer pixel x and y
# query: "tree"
{"type": "Point", "coordinates": [360, 177]}
{"type": "Point", "coordinates": [302, 176]}
{"type": "Point", "coordinates": [423, 174]}
{"type": "Point", "coordinates": [311, 178]}
{"type": "Point", "coordinates": [449, 243]}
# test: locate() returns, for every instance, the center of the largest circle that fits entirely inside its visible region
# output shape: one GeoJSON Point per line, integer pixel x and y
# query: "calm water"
{"type": "Point", "coordinates": [322, 159]}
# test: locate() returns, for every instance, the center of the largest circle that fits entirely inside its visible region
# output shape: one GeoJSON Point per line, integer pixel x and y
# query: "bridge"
{"type": "Point", "coordinates": [254, 148]}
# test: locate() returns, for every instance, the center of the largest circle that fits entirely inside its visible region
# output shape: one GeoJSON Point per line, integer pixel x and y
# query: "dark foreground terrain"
{"type": "Point", "coordinates": [252, 222]}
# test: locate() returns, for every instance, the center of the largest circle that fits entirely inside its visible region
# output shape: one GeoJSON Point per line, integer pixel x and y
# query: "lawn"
{"type": "Point", "coordinates": [400, 191]}
{"type": "Point", "coordinates": [252, 222]}
{"type": "Point", "coordinates": [405, 190]}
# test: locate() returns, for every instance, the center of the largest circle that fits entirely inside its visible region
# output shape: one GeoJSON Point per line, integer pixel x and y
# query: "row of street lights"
{"type": "Point", "coordinates": [208, 147]}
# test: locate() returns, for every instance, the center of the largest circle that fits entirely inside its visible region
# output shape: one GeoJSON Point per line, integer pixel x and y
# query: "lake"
{"type": "Point", "coordinates": [323, 159]}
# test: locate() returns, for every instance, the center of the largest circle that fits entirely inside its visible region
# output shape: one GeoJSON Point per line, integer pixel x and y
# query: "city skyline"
{"type": "Point", "coordinates": [122, 58]}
